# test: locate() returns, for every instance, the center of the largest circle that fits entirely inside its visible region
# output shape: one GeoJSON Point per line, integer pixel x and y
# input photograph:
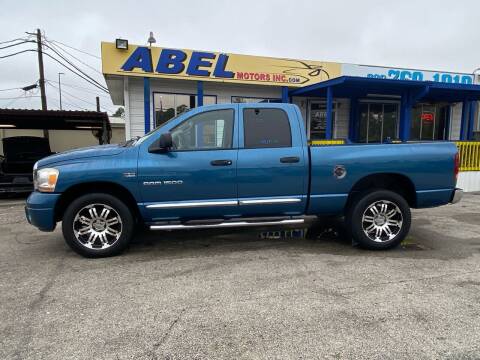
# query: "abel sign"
{"type": "Point", "coordinates": [213, 66]}
{"type": "Point", "coordinates": [405, 74]}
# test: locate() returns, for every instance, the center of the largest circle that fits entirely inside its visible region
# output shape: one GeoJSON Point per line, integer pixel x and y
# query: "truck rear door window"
{"type": "Point", "coordinates": [266, 128]}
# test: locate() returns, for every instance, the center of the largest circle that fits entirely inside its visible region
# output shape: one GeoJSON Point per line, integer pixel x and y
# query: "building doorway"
{"type": "Point", "coordinates": [378, 121]}
{"type": "Point", "coordinates": [317, 119]}
{"type": "Point", "coordinates": [430, 122]}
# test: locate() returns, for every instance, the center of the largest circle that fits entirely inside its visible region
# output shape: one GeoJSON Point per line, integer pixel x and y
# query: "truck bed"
{"type": "Point", "coordinates": [428, 167]}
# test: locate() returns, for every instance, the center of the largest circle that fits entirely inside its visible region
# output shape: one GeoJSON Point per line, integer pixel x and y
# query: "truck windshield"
{"type": "Point", "coordinates": [141, 139]}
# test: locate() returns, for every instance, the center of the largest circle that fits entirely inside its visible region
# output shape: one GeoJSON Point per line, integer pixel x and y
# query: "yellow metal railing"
{"type": "Point", "coordinates": [469, 152]}
{"type": "Point", "coordinates": [327, 142]}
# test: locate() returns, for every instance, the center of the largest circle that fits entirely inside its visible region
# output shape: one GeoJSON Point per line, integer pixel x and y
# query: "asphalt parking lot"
{"type": "Point", "coordinates": [205, 295]}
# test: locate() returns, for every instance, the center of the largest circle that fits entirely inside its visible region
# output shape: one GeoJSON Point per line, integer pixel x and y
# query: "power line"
{"type": "Point", "coordinates": [11, 102]}
{"type": "Point", "coordinates": [19, 52]}
{"type": "Point", "coordinates": [19, 43]}
{"type": "Point", "coordinates": [76, 68]}
{"type": "Point", "coordinates": [17, 88]}
{"type": "Point", "coordinates": [10, 41]}
{"type": "Point", "coordinates": [73, 56]}
{"type": "Point", "coordinates": [76, 97]}
{"type": "Point", "coordinates": [71, 104]}
{"type": "Point", "coordinates": [84, 78]}
{"type": "Point", "coordinates": [18, 97]}
{"type": "Point", "coordinates": [82, 51]}
{"type": "Point", "coordinates": [79, 72]}
{"type": "Point", "coordinates": [15, 99]}
{"type": "Point", "coordinates": [82, 89]}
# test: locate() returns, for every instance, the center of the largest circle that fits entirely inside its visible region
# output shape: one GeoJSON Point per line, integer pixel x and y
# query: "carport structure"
{"type": "Point", "coordinates": [57, 120]}
{"type": "Point", "coordinates": [407, 92]}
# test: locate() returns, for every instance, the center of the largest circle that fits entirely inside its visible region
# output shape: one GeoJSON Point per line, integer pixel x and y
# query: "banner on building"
{"type": "Point", "coordinates": [380, 72]}
{"type": "Point", "coordinates": [212, 66]}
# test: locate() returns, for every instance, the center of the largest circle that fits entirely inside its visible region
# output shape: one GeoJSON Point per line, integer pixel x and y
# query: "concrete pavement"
{"type": "Point", "coordinates": [208, 295]}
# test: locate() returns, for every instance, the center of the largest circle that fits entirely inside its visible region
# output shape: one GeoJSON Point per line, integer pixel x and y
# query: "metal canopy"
{"type": "Point", "coordinates": [352, 86]}
{"type": "Point", "coordinates": [53, 119]}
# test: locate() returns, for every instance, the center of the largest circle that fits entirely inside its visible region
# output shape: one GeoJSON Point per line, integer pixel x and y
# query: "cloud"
{"type": "Point", "coordinates": [429, 34]}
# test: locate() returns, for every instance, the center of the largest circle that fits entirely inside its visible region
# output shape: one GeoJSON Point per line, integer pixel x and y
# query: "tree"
{"type": "Point", "coordinates": [120, 112]}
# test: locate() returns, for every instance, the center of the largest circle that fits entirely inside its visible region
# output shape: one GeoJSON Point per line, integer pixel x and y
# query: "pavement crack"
{"type": "Point", "coordinates": [166, 335]}
{"type": "Point", "coordinates": [401, 281]}
{"type": "Point", "coordinates": [170, 328]}
{"type": "Point", "coordinates": [25, 341]}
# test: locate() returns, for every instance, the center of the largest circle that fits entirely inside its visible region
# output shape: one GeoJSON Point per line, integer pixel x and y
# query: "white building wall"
{"type": "Point", "coordinates": [469, 181]}
{"type": "Point", "coordinates": [135, 107]}
{"type": "Point", "coordinates": [342, 119]}
{"type": "Point", "coordinates": [455, 121]}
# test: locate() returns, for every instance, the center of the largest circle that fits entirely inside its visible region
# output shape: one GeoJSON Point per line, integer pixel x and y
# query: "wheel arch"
{"type": "Point", "coordinates": [398, 183]}
{"type": "Point", "coordinates": [106, 187]}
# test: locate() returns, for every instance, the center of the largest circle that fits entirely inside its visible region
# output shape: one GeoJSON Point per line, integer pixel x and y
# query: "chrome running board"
{"type": "Point", "coordinates": [226, 224]}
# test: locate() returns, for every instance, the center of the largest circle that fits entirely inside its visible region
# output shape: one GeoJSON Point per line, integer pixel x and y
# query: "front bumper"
{"type": "Point", "coordinates": [40, 210]}
{"type": "Point", "coordinates": [456, 196]}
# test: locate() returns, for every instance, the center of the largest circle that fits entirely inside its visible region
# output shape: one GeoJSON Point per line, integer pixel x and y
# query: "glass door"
{"type": "Point", "coordinates": [378, 122]}
{"type": "Point", "coordinates": [317, 119]}
{"type": "Point", "coordinates": [430, 121]}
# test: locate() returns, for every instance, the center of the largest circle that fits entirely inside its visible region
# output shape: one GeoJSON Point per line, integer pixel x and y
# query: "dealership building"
{"type": "Point", "coordinates": [343, 102]}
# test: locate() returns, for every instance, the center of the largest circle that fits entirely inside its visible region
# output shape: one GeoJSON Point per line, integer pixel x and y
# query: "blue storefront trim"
{"type": "Point", "coordinates": [146, 103]}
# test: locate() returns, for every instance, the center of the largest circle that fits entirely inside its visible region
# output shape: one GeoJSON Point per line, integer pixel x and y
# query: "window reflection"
{"type": "Point", "coordinates": [378, 122]}
{"type": "Point", "coordinates": [318, 119]}
{"type": "Point", "coordinates": [209, 130]}
{"type": "Point", "coordinates": [169, 105]}
{"type": "Point", "coordinates": [429, 121]}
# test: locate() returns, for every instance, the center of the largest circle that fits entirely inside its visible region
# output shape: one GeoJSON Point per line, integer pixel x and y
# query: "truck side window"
{"type": "Point", "coordinates": [266, 128]}
{"type": "Point", "coordinates": [204, 131]}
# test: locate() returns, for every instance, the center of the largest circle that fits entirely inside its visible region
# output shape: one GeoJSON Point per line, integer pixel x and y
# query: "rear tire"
{"type": "Point", "coordinates": [97, 225]}
{"type": "Point", "coordinates": [379, 219]}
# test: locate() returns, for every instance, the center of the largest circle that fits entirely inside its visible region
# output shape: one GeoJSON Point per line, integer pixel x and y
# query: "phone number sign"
{"type": "Point", "coordinates": [378, 72]}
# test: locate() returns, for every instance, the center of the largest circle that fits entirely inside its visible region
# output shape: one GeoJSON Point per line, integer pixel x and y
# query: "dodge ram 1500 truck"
{"type": "Point", "coordinates": [237, 165]}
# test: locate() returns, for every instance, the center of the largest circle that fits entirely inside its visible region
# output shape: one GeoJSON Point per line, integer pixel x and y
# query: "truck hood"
{"type": "Point", "coordinates": [82, 153]}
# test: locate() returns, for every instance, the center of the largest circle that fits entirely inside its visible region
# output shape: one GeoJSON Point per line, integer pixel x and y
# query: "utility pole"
{"type": "Point", "coordinates": [98, 104]}
{"type": "Point", "coordinates": [42, 76]}
{"type": "Point", "coordinates": [60, 89]}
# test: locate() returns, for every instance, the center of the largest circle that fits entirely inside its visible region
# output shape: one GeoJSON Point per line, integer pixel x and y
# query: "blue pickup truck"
{"type": "Point", "coordinates": [237, 165]}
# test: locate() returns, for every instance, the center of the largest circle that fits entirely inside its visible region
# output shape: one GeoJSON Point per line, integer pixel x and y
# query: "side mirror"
{"type": "Point", "coordinates": [162, 145]}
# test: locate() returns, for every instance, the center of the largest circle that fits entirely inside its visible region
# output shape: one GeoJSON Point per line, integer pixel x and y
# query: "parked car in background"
{"type": "Point", "coordinates": [20, 153]}
{"type": "Point", "coordinates": [237, 165]}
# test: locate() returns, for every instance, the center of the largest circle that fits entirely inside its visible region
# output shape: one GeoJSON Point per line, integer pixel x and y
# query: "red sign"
{"type": "Point", "coordinates": [427, 117]}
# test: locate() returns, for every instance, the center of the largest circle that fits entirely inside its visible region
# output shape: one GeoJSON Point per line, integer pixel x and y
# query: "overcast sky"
{"type": "Point", "coordinates": [425, 34]}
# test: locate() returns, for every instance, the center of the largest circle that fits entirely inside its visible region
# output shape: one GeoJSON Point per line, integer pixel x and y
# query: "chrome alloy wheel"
{"type": "Point", "coordinates": [382, 221]}
{"type": "Point", "coordinates": [97, 226]}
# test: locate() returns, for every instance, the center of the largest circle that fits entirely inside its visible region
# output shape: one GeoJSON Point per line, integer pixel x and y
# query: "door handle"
{"type": "Point", "coordinates": [221, 162]}
{"type": "Point", "coordinates": [290, 159]}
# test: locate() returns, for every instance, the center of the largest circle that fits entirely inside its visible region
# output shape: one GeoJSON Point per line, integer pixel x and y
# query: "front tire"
{"type": "Point", "coordinates": [379, 219]}
{"type": "Point", "coordinates": [97, 225]}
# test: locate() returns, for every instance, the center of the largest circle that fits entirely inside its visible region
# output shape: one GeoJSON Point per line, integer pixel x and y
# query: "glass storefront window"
{"type": "Point", "coordinates": [168, 105]}
{"type": "Point", "coordinates": [429, 122]}
{"type": "Point", "coordinates": [378, 122]}
{"type": "Point", "coordinates": [318, 119]}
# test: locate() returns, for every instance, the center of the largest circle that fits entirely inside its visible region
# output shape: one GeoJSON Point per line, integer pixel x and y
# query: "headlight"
{"type": "Point", "coordinates": [44, 180]}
